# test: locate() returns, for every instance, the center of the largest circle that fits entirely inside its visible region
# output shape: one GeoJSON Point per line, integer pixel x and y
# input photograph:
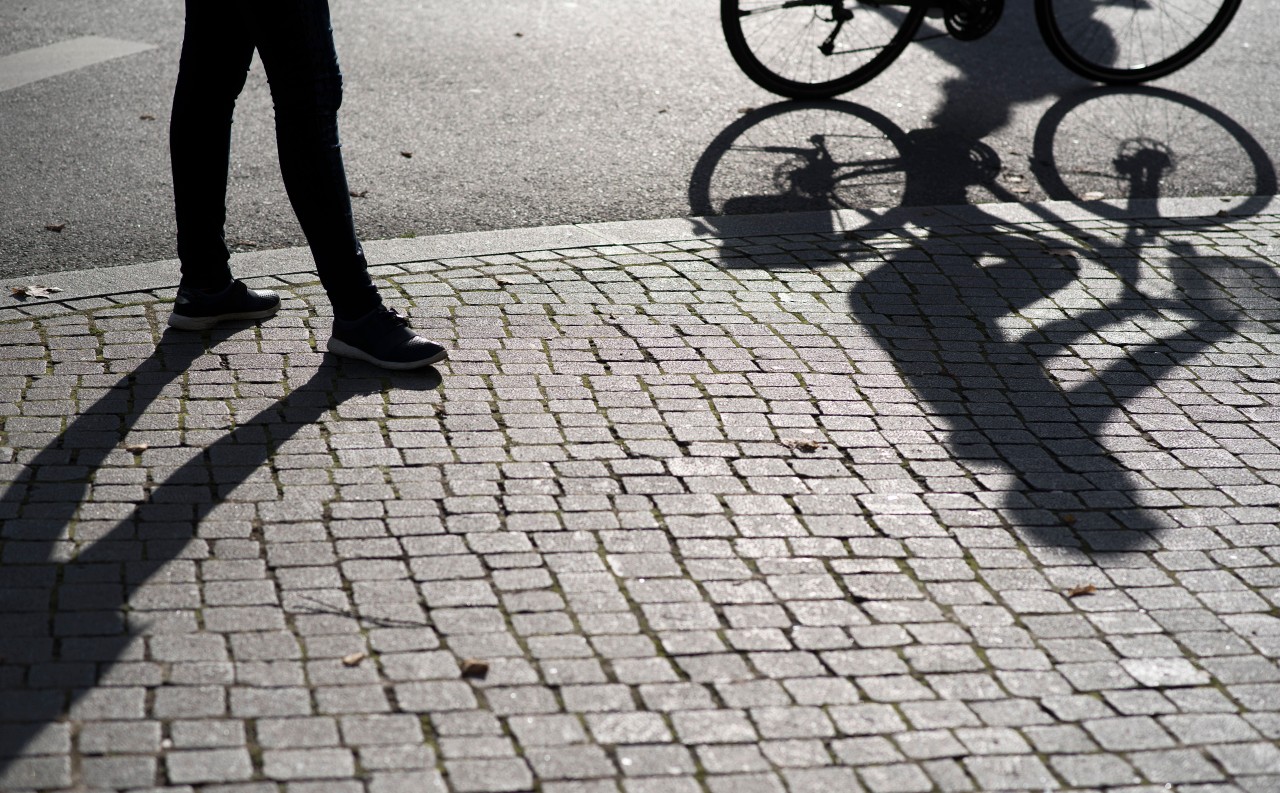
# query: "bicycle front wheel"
{"type": "Point", "coordinates": [1131, 41]}
{"type": "Point", "coordinates": [813, 49]}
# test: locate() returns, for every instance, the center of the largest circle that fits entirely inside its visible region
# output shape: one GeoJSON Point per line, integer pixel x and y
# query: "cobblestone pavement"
{"type": "Point", "coordinates": [964, 507]}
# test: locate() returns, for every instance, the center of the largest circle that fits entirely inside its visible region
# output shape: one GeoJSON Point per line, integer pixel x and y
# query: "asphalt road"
{"type": "Point", "coordinates": [536, 112]}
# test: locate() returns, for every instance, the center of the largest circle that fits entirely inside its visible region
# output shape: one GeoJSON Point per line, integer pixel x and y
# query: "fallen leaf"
{"type": "Point", "coordinates": [56, 228]}
{"type": "Point", "coordinates": [746, 110]}
{"type": "Point", "coordinates": [662, 110]}
{"type": "Point", "coordinates": [1068, 518]}
{"type": "Point", "coordinates": [1094, 195]}
{"type": "Point", "coordinates": [1083, 589]}
{"type": "Point", "coordinates": [803, 444]}
{"type": "Point", "coordinates": [519, 35]}
{"type": "Point", "coordinates": [406, 154]}
{"type": "Point", "coordinates": [146, 117]}
{"type": "Point", "coordinates": [472, 667]}
{"type": "Point", "coordinates": [359, 193]}
{"type": "Point", "coordinates": [34, 290]}
{"type": "Point", "coordinates": [354, 659]}
{"type": "Point", "coordinates": [136, 448]}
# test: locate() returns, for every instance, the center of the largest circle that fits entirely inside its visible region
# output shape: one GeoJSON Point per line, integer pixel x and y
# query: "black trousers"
{"type": "Point", "coordinates": [295, 42]}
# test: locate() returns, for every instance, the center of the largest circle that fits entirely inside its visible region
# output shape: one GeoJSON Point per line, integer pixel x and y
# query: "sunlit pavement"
{"type": "Point", "coordinates": [983, 499]}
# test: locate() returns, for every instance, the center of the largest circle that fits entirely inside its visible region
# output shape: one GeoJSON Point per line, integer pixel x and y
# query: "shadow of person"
{"type": "Point", "coordinates": [65, 597]}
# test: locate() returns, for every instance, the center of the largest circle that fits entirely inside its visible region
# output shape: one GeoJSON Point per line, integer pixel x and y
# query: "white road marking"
{"type": "Point", "coordinates": [29, 66]}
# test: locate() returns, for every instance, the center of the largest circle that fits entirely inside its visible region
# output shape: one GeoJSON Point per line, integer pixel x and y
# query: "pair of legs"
{"type": "Point", "coordinates": [295, 42]}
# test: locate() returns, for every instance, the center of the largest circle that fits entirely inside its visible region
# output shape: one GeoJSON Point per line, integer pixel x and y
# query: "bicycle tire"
{"type": "Point", "coordinates": [884, 35]}
{"type": "Point", "coordinates": [1089, 56]}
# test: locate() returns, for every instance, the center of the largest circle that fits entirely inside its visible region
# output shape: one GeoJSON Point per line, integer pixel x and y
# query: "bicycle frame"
{"type": "Point", "coordinates": [949, 9]}
{"type": "Point", "coordinates": [839, 10]}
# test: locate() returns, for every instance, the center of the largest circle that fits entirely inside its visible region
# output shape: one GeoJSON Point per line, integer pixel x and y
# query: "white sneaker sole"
{"type": "Point", "coordinates": [339, 347]}
{"type": "Point", "coordinates": [180, 322]}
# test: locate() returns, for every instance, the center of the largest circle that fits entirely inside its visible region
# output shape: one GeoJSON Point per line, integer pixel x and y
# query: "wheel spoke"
{"type": "Point", "coordinates": [785, 39]}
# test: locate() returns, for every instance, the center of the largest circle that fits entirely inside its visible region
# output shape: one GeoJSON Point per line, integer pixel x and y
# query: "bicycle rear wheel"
{"type": "Point", "coordinates": [1131, 41]}
{"type": "Point", "coordinates": [799, 49]}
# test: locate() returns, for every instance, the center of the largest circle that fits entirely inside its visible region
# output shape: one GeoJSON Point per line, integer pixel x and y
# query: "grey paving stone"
{"type": "Point", "coordinates": [207, 766]}
{"type": "Point", "coordinates": [291, 764]}
{"type": "Point", "coordinates": [126, 771]}
{"type": "Point", "coordinates": [1095, 770]}
{"type": "Point", "coordinates": [36, 772]}
{"type": "Point", "coordinates": [126, 737]}
{"type": "Point", "coordinates": [1181, 766]}
{"type": "Point", "coordinates": [407, 782]}
{"type": "Point", "coordinates": [1010, 772]}
{"type": "Point", "coordinates": [482, 776]}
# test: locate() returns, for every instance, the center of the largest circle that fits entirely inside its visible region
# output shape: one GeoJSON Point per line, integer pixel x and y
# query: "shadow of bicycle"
{"type": "Point", "coordinates": [1055, 359]}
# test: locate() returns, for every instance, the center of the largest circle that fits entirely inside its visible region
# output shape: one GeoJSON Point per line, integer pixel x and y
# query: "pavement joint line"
{"type": "Point", "coordinates": [149, 277]}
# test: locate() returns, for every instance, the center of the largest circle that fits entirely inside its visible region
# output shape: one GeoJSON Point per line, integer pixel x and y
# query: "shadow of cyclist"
{"type": "Point", "coordinates": [65, 598]}
{"type": "Point", "coordinates": [1039, 442]}
{"type": "Point", "coordinates": [1049, 447]}
{"type": "Point", "coordinates": [1053, 451]}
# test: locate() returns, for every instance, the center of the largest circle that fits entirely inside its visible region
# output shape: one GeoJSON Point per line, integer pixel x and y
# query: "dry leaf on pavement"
{"type": "Point", "coordinates": [136, 448]}
{"type": "Point", "coordinates": [353, 660]}
{"type": "Point", "coordinates": [56, 228]}
{"type": "Point", "coordinates": [34, 290]}
{"type": "Point", "coordinates": [803, 444]}
{"type": "Point", "coordinates": [1083, 589]}
{"type": "Point", "coordinates": [472, 667]}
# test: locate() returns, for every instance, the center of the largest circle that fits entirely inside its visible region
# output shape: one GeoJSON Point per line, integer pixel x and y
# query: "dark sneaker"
{"type": "Point", "coordinates": [383, 338]}
{"type": "Point", "coordinates": [198, 310]}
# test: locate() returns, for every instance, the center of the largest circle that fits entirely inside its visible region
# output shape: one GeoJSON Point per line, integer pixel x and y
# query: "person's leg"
{"type": "Point", "coordinates": [216, 51]}
{"type": "Point", "coordinates": [295, 41]}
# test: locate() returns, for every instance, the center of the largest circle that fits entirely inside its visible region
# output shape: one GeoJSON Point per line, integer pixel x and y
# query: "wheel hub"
{"type": "Point", "coordinates": [972, 19]}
